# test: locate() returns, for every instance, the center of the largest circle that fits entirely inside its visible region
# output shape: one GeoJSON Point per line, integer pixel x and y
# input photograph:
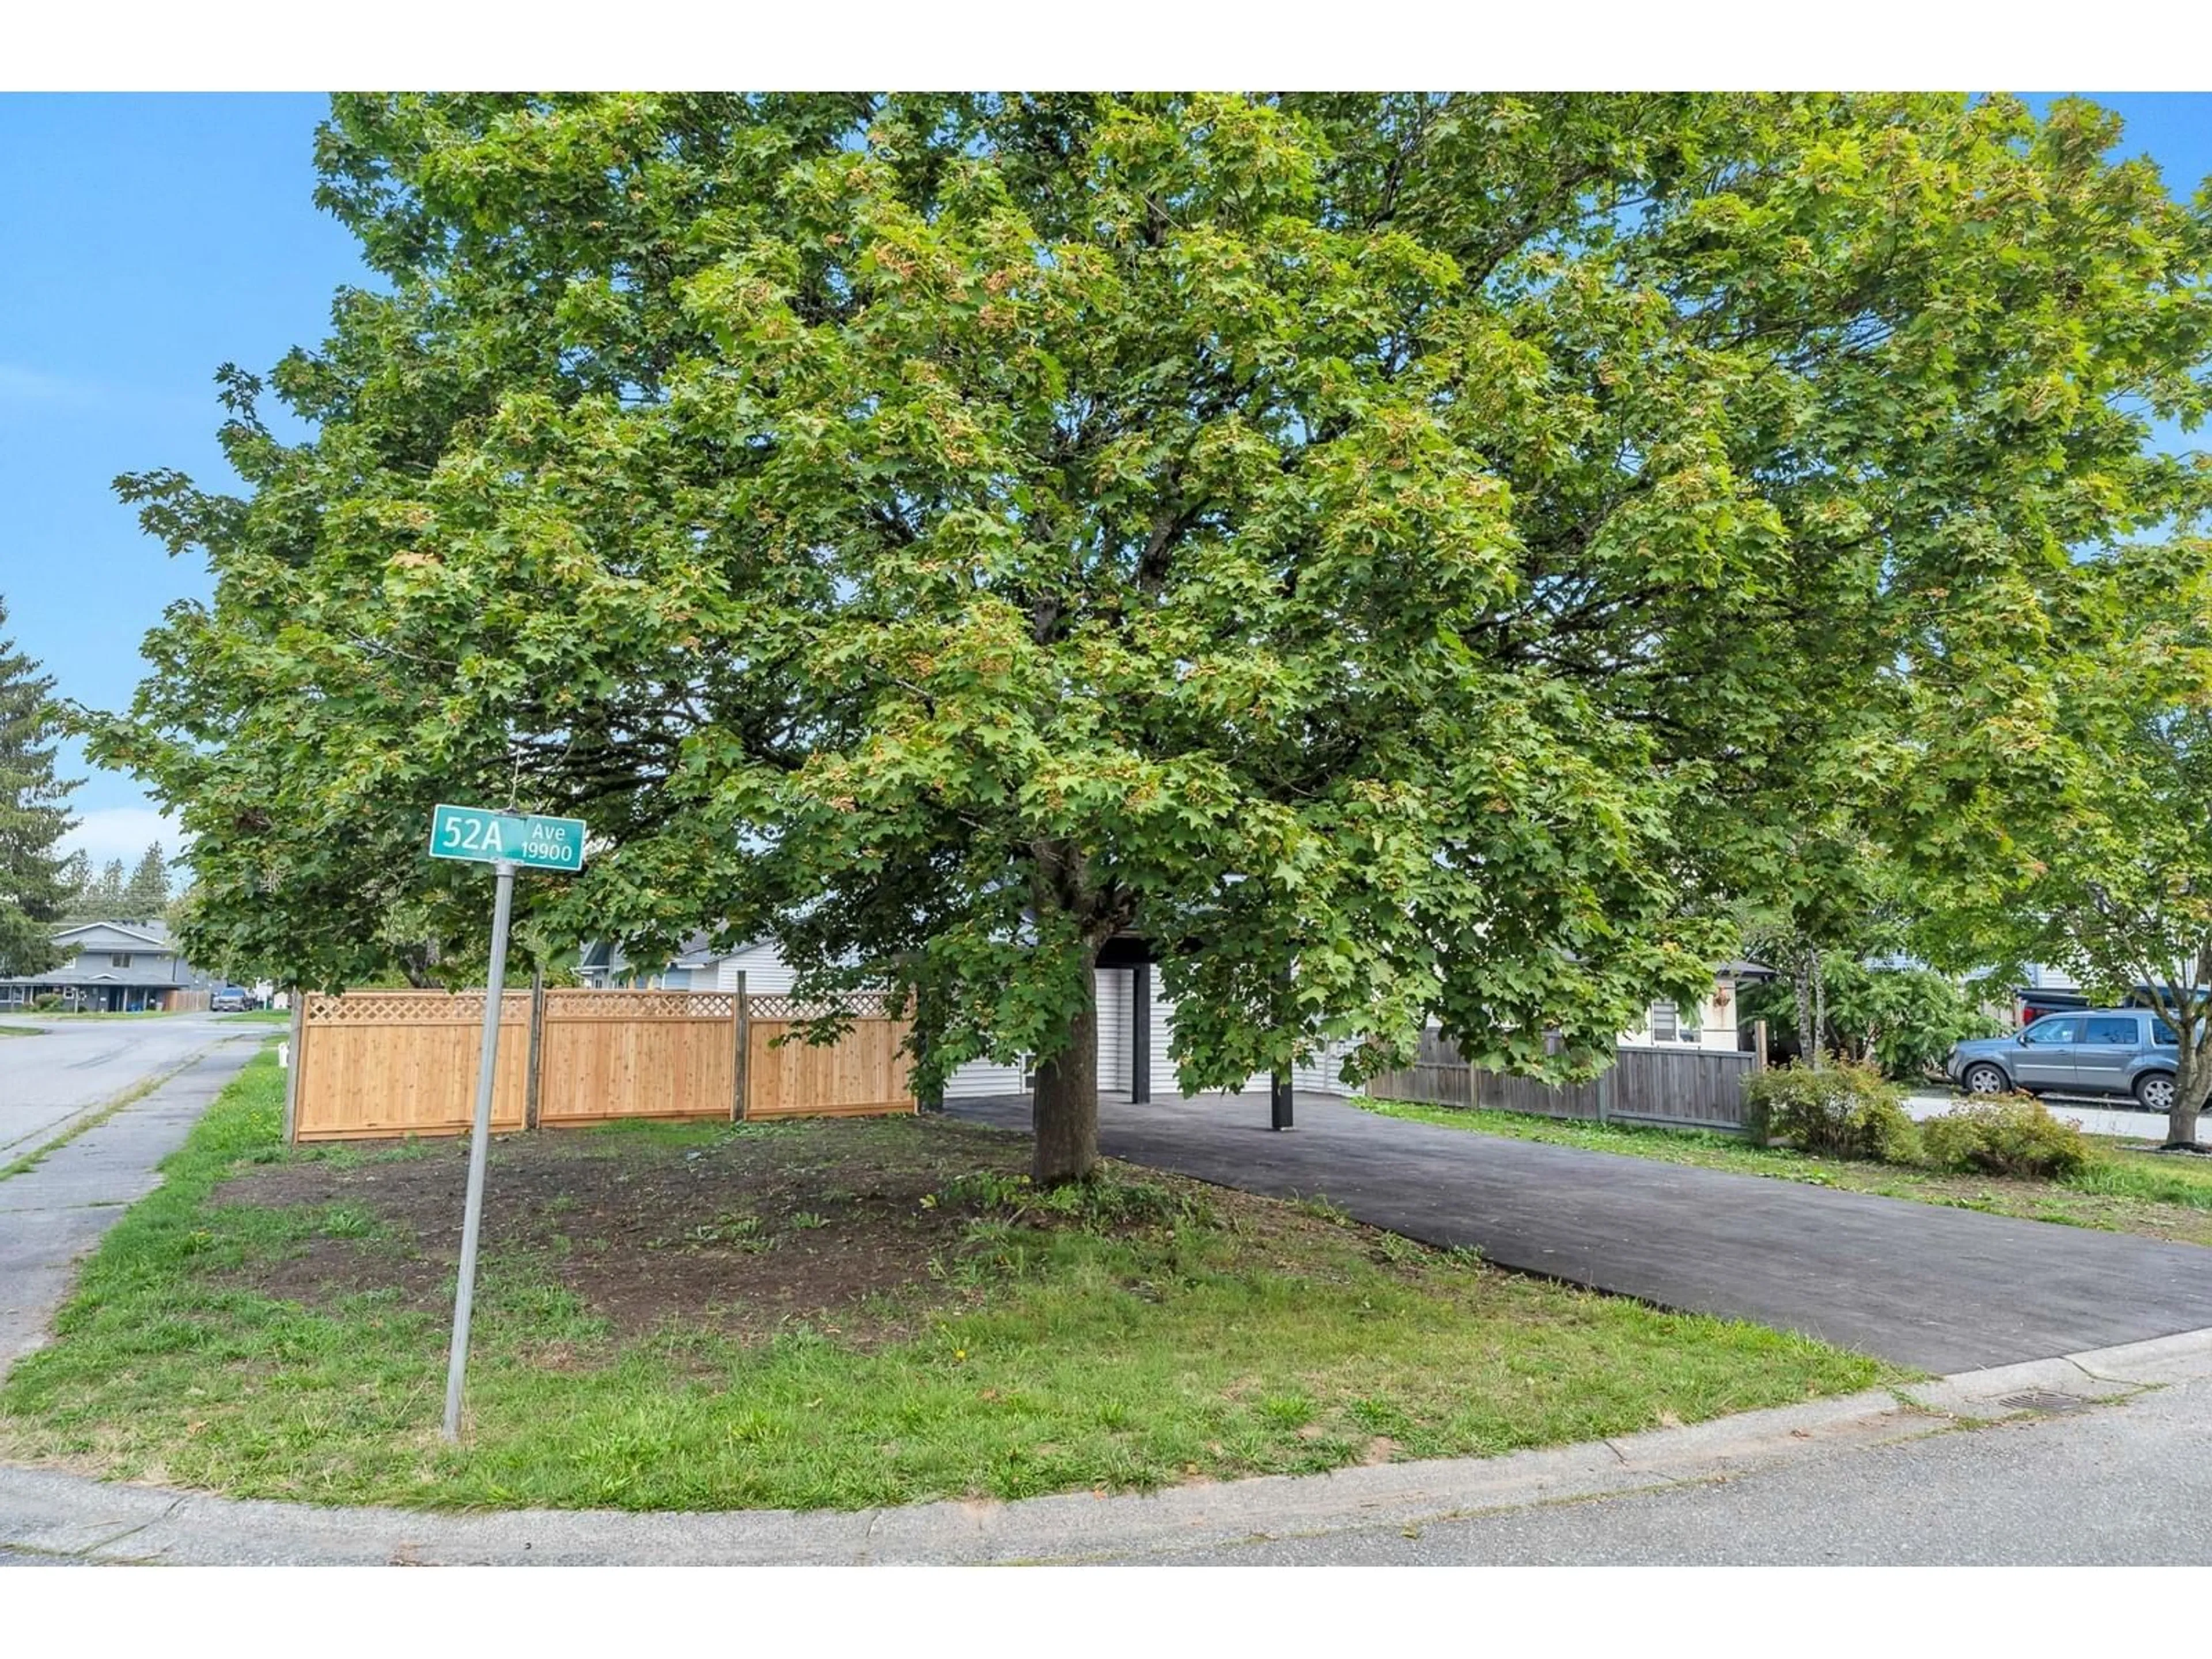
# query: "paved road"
{"type": "Point", "coordinates": [2119, 1486]}
{"type": "Point", "coordinates": [1939, 1289]}
{"type": "Point", "coordinates": [77, 1065]}
{"type": "Point", "coordinates": [53, 1213]}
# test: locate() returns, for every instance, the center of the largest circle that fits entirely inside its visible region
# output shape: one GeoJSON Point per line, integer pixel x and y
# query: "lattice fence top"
{"type": "Point", "coordinates": [409, 1007]}
{"type": "Point", "coordinates": [854, 1004]}
{"type": "Point", "coordinates": [466, 1007]}
{"type": "Point", "coordinates": [641, 1005]}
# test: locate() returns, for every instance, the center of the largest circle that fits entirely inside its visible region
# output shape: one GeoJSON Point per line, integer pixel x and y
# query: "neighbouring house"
{"type": "Point", "coordinates": [1136, 1018]}
{"type": "Point", "coordinates": [696, 967]}
{"type": "Point", "coordinates": [114, 968]}
{"type": "Point", "coordinates": [1711, 1024]}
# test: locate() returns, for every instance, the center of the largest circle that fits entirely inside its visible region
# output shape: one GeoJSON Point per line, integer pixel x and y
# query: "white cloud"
{"type": "Point", "coordinates": [123, 832]}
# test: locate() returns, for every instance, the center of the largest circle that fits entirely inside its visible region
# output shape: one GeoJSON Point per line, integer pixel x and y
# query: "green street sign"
{"type": "Point", "coordinates": [483, 837]}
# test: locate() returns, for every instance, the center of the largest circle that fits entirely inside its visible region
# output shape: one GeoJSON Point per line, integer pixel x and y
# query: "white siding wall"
{"type": "Point", "coordinates": [764, 969]}
{"type": "Point", "coordinates": [983, 1076]}
{"type": "Point", "coordinates": [766, 972]}
{"type": "Point", "coordinates": [1114, 1036]}
{"type": "Point", "coordinates": [1164, 1082]}
{"type": "Point", "coordinates": [1319, 1075]}
{"type": "Point", "coordinates": [1717, 1027]}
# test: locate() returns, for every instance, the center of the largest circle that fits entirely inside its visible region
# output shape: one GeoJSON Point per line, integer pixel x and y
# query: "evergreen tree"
{"type": "Point", "coordinates": [75, 874]}
{"type": "Point", "coordinates": [146, 895]}
{"type": "Point", "coordinates": [33, 892]}
{"type": "Point", "coordinates": [100, 898]}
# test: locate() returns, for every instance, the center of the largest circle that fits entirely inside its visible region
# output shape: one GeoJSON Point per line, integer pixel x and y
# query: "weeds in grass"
{"type": "Point", "coordinates": [350, 1221]}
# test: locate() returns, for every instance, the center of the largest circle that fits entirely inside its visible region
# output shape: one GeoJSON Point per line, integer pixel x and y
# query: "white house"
{"type": "Point", "coordinates": [1136, 1019]}
{"type": "Point", "coordinates": [1711, 1024]}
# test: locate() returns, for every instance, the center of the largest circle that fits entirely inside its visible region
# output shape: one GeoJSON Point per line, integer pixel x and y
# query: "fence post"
{"type": "Point", "coordinates": [298, 1057]}
{"type": "Point", "coordinates": [1604, 1086]}
{"type": "Point", "coordinates": [1758, 1043]}
{"type": "Point", "coordinates": [741, 1018]}
{"type": "Point", "coordinates": [537, 1046]}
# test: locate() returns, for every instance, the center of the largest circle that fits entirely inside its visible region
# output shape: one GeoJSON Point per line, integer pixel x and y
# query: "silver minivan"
{"type": "Point", "coordinates": [2090, 1051]}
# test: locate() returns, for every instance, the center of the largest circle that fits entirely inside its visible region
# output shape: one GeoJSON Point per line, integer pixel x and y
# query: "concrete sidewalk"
{"type": "Point", "coordinates": [1937, 1289]}
{"type": "Point", "coordinates": [54, 1211]}
{"type": "Point", "coordinates": [53, 1517]}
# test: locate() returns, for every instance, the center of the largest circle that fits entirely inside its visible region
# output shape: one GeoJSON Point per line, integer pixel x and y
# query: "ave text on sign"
{"type": "Point", "coordinates": [487, 837]}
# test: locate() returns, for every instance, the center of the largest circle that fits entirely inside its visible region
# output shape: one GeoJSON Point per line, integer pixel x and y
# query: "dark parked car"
{"type": "Point", "coordinates": [2096, 1051]}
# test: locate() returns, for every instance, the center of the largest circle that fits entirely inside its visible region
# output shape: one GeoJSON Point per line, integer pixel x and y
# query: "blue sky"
{"type": "Point", "coordinates": [151, 238]}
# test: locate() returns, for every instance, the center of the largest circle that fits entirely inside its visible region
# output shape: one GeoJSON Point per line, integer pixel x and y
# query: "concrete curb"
{"type": "Point", "coordinates": [46, 1512]}
{"type": "Point", "coordinates": [2098, 1374]}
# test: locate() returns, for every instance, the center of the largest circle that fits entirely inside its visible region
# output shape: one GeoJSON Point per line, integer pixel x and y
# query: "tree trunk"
{"type": "Point", "coordinates": [1819, 1012]}
{"type": "Point", "coordinates": [2192, 1080]}
{"type": "Point", "coordinates": [1800, 986]}
{"type": "Point", "coordinates": [1065, 1112]}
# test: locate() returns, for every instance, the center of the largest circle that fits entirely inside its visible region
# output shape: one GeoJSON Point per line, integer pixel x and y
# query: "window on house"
{"type": "Point", "coordinates": [1666, 1024]}
{"type": "Point", "coordinates": [121, 959]}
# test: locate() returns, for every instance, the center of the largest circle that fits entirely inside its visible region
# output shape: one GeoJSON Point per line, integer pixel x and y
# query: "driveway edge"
{"type": "Point", "coordinates": [48, 1512]}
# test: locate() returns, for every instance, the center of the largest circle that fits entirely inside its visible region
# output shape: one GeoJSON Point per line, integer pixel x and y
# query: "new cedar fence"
{"type": "Point", "coordinates": [1683, 1088]}
{"type": "Point", "coordinates": [376, 1064]}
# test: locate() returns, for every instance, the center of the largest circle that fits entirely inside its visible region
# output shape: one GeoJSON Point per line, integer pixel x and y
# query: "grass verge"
{"type": "Point", "coordinates": [2128, 1189]}
{"type": "Point", "coordinates": [811, 1314]}
{"type": "Point", "coordinates": [20, 1031]}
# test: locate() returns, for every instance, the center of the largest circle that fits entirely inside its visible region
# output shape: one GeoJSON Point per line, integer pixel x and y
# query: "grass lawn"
{"type": "Point", "coordinates": [2128, 1190]}
{"type": "Point", "coordinates": [827, 1314]}
{"type": "Point", "coordinates": [259, 1017]}
{"type": "Point", "coordinates": [18, 1030]}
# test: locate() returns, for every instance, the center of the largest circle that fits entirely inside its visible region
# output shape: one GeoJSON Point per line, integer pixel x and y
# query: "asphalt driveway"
{"type": "Point", "coordinates": [1939, 1289]}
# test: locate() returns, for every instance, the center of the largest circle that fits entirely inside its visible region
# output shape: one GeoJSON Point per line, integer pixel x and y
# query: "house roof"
{"type": "Point", "coordinates": [71, 975]}
{"type": "Point", "coordinates": [155, 933]}
{"type": "Point", "coordinates": [695, 951]}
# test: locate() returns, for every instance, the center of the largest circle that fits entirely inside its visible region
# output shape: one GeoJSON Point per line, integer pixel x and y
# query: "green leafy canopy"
{"type": "Point", "coordinates": [1443, 545]}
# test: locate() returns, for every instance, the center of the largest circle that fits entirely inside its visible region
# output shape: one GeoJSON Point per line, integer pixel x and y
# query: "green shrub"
{"type": "Point", "coordinates": [1903, 1019]}
{"type": "Point", "coordinates": [1843, 1111]}
{"type": "Point", "coordinates": [2010, 1135]}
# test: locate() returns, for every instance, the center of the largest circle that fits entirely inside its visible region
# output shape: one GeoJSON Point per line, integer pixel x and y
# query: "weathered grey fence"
{"type": "Point", "coordinates": [1684, 1087]}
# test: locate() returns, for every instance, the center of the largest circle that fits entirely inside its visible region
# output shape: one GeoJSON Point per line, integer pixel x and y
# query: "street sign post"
{"type": "Point", "coordinates": [503, 840]}
{"type": "Point", "coordinates": [484, 837]}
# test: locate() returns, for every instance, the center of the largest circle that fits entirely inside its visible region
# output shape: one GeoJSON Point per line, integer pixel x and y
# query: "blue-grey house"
{"type": "Point", "coordinates": [114, 967]}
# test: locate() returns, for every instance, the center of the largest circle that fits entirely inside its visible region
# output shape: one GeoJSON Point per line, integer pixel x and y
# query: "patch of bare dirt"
{"type": "Point", "coordinates": [750, 1232]}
